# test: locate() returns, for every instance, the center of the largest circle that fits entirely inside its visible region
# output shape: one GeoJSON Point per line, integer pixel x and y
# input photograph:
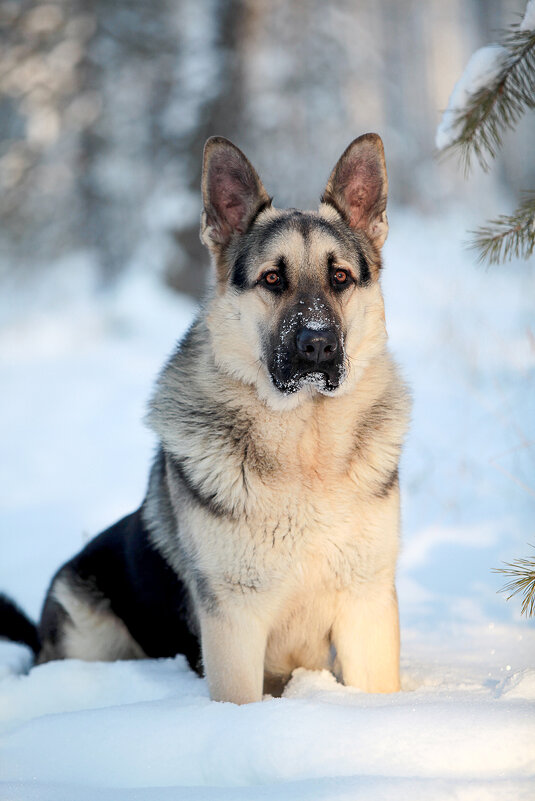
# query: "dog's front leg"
{"type": "Point", "coordinates": [365, 634]}
{"type": "Point", "coordinates": [233, 650]}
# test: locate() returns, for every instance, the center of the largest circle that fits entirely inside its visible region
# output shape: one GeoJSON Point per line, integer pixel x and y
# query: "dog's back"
{"type": "Point", "coordinates": [117, 599]}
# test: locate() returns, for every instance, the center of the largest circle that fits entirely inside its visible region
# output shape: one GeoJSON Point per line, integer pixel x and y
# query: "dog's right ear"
{"type": "Point", "coordinates": [232, 192]}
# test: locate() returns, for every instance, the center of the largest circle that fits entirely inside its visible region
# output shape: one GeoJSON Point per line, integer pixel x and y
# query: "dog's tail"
{"type": "Point", "coordinates": [16, 626]}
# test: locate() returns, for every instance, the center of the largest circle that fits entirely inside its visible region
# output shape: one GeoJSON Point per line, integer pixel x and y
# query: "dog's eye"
{"type": "Point", "coordinates": [275, 279]}
{"type": "Point", "coordinates": [340, 277]}
{"type": "Point", "coordinates": [272, 279]}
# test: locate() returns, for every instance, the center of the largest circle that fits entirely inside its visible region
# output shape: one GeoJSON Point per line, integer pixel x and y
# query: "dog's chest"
{"type": "Point", "coordinates": [299, 536]}
{"type": "Point", "coordinates": [293, 507]}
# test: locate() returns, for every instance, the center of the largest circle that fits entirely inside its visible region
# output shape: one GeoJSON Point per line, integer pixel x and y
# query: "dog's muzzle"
{"type": "Point", "coordinates": [308, 357]}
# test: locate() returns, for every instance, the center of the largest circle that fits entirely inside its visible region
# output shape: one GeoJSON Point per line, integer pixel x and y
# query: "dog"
{"type": "Point", "coordinates": [269, 534]}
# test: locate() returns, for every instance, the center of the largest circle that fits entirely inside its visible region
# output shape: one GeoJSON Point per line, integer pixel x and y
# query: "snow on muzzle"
{"type": "Point", "coordinates": [307, 349]}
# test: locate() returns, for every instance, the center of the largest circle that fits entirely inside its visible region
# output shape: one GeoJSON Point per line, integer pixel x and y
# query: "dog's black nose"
{"type": "Point", "coordinates": [316, 346]}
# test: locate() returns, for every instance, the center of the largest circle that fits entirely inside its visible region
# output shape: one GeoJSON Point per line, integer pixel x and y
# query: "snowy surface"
{"type": "Point", "coordinates": [76, 367]}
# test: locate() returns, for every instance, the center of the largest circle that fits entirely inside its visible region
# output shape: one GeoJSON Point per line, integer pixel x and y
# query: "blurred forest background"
{"type": "Point", "coordinates": [104, 110]}
{"type": "Point", "coordinates": [105, 106]}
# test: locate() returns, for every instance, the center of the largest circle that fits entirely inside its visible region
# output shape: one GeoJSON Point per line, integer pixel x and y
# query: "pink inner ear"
{"type": "Point", "coordinates": [356, 198]}
{"type": "Point", "coordinates": [361, 184]}
{"type": "Point", "coordinates": [234, 210]}
{"type": "Point", "coordinates": [231, 190]}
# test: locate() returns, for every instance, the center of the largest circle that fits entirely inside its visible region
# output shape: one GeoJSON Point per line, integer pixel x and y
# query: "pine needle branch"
{"type": "Point", "coordinates": [508, 236]}
{"type": "Point", "coordinates": [496, 108]}
{"type": "Point", "coordinates": [522, 573]}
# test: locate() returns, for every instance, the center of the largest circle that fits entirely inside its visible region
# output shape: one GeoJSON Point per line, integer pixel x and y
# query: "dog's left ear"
{"type": "Point", "coordinates": [232, 193]}
{"type": "Point", "coordinates": [358, 187]}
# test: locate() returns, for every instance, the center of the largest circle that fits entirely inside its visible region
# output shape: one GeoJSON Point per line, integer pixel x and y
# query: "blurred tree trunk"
{"type": "Point", "coordinates": [155, 144]}
{"type": "Point", "coordinates": [220, 114]}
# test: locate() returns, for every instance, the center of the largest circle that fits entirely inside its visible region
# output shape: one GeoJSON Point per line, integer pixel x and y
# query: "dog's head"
{"type": "Point", "coordinates": [297, 308]}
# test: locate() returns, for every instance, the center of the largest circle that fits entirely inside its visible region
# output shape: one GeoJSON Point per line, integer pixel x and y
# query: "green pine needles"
{"type": "Point", "coordinates": [496, 108]}
{"type": "Point", "coordinates": [522, 574]}
{"type": "Point", "coordinates": [479, 127]}
{"type": "Point", "coordinates": [508, 236]}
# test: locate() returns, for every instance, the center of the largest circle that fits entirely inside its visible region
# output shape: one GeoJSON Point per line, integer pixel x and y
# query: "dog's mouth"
{"type": "Point", "coordinates": [321, 381]}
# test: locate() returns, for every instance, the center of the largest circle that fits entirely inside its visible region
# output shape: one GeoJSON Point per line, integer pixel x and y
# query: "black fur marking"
{"type": "Point", "coordinates": [207, 502]}
{"type": "Point", "coordinates": [52, 625]}
{"type": "Point", "coordinates": [282, 267]}
{"type": "Point", "coordinates": [16, 626]}
{"type": "Point", "coordinates": [265, 205]}
{"type": "Point", "coordinates": [303, 223]}
{"type": "Point", "coordinates": [204, 591]}
{"type": "Point", "coordinates": [365, 275]}
{"type": "Point", "coordinates": [272, 228]}
{"type": "Point", "coordinates": [122, 566]}
{"type": "Point", "coordinates": [159, 518]}
{"type": "Point", "coordinates": [372, 421]}
{"type": "Point", "coordinates": [239, 271]}
{"type": "Point", "coordinates": [291, 220]}
{"type": "Point", "coordinates": [391, 482]}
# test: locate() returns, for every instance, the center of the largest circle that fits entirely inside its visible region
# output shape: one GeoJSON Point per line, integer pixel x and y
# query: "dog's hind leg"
{"type": "Point", "coordinates": [78, 623]}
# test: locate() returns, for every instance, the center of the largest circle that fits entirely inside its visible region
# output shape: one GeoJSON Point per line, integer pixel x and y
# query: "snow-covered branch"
{"type": "Point", "coordinates": [494, 91]}
{"type": "Point", "coordinates": [496, 88]}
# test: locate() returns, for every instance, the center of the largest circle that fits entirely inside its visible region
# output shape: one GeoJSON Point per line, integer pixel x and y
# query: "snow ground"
{"type": "Point", "coordinates": [76, 367]}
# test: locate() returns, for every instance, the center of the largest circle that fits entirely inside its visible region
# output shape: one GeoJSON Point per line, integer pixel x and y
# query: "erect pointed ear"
{"type": "Point", "coordinates": [232, 192]}
{"type": "Point", "coordinates": [358, 187]}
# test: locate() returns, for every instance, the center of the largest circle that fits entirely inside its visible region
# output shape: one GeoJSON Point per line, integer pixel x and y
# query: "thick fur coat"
{"type": "Point", "coordinates": [269, 535]}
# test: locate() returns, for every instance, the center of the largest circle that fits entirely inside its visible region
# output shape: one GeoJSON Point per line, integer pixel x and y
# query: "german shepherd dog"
{"type": "Point", "coordinates": [269, 533]}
